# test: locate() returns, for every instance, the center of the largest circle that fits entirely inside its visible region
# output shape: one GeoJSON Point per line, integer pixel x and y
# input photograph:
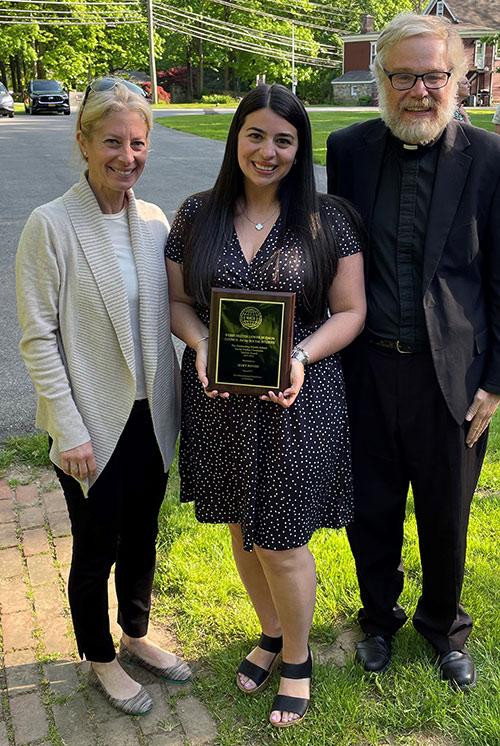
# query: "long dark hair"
{"type": "Point", "coordinates": [301, 209]}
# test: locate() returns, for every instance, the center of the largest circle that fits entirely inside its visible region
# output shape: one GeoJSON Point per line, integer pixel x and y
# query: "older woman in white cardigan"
{"type": "Point", "coordinates": [93, 307]}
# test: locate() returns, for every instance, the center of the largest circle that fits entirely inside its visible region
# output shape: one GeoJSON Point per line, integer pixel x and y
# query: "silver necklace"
{"type": "Point", "coordinates": [259, 225]}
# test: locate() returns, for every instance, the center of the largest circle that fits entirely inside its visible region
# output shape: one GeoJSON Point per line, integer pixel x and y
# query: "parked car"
{"type": "Point", "coordinates": [46, 95]}
{"type": "Point", "coordinates": [6, 102]}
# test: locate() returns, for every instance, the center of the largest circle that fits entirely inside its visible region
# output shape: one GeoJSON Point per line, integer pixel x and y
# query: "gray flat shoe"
{"type": "Point", "coordinates": [140, 704]}
{"type": "Point", "coordinates": [179, 673]}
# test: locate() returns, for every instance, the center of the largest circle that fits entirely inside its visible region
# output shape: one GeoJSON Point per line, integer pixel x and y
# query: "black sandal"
{"type": "Point", "coordinates": [260, 676]}
{"type": "Point", "coordinates": [285, 703]}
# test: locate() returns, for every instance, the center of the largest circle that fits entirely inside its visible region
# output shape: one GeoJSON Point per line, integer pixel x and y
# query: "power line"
{"type": "Point", "coordinates": [219, 40]}
{"type": "Point", "coordinates": [73, 13]}
{"type": "Point", "coordinates": [69, 3]}
{"type": "Point", "coordinates": [29, 21]}
{"type": "Point", "coordinates": [243, 30]}
{"type": "Point", "coordinates": [213, 36]}
{"type": "Point", "coordinates": [60, 13]}
{"type": "Point", "coordinates": [316, 6]}
{"type": "Point", "coordinates": [186, 23]}
{"type": "Point", "coordinates": [275, 17]}
{"type": "Point", "coordinates": [289, 6]}
{"type": "Point", "coordinates": [109, 23]}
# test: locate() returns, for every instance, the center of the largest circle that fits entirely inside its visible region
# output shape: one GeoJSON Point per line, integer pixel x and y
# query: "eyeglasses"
{"type": "Point", "coordinates": [107, 84]}
{"type": "Point", "coordinates": [406, 81]}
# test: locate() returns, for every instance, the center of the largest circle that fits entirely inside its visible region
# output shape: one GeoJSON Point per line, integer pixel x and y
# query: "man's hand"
{"type": "Point", "coordinates": [480, 414]}
{"type": "Point", "coordinates": [79, 462]}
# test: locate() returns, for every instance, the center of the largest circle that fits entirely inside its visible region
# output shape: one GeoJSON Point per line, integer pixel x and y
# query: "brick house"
{"type": "Point", "coordinates": [474, 19]}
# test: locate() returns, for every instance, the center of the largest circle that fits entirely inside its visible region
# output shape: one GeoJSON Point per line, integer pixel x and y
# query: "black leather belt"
{"type": "Point", "coordinates": [404, 348]}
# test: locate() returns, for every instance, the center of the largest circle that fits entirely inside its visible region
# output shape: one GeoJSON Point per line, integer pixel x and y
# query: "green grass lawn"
{"type": "Point", "coordinates": [215, 126]}
{"type": "Point", "coordinates": [198, 588]}
{"type": "Point", "coordinates": [199, 595]}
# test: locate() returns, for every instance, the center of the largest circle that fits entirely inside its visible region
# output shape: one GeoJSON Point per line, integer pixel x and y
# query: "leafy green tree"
{"type": "Point", "coordinates": [315, 28]}
{"type": "Point", "coordinates": [74, 53]}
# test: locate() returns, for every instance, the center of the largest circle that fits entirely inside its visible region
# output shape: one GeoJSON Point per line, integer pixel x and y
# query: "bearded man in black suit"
{"type": "Point", "coordinates": [424, 379]}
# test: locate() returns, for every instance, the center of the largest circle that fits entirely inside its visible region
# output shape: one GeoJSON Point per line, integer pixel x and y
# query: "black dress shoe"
{"type": "Point", "coordinates": [458, 668]}
{"type": "Point", "coordinates": [374, 653]}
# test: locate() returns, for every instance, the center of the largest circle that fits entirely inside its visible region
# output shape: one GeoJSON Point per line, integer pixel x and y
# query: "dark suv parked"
{"type": "Point", "coordinates": [46, 95]}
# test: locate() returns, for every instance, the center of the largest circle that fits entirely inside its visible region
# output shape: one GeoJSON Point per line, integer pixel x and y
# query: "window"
{"type": "Point", "coordinates": [479, 54]}
{"type": "Point", "coordinates": [373, 52]}
{"type": "Point", "coordinates": [440, 8]}
{"type": "Point", "coordinates": [354, 91]}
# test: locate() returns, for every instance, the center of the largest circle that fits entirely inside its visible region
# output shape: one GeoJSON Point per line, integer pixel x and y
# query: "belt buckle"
{"type": "Point", "coordinates": [402, 352]}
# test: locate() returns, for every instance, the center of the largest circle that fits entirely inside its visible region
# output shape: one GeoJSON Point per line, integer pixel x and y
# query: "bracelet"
{"type": "Point", "coordinates": [195, 346]}
{"type": "Point", "coordinates": [298, 353]}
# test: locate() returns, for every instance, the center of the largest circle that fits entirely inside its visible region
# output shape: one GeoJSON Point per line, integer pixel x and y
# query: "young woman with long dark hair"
{"type": "Point", "coordinates": [274, 467]}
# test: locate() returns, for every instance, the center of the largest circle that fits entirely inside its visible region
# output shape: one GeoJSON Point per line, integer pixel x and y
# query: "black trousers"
{"type": "Point", "coordinates": [402, 433]}
{"type": "Point", "coordinates": [116, 524]}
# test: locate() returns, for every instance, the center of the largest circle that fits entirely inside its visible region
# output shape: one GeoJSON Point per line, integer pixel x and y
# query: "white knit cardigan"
{"type": "Point", "coordinates": [76, 333]}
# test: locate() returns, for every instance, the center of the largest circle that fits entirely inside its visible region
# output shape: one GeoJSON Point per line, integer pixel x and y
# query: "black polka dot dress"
{"type": "Point", "coordinates": [279, 473]}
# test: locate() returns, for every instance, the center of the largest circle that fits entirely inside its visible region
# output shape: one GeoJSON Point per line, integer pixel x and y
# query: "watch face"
{"type": "Point", "coordinates": [301, 355]}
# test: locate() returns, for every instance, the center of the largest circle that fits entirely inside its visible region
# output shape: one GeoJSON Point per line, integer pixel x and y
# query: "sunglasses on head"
{"type": "Point", "coordinates": [107, 84]}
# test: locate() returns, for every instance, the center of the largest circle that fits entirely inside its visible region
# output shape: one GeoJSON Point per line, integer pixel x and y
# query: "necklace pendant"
{"type": "Point", "coordinates": [259, 226]}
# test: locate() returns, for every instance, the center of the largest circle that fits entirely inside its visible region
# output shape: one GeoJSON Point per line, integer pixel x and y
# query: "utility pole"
{"type": "Point", "coordinates": [294, 79]}
{"type": "Point", "coordinates": [152, 64]}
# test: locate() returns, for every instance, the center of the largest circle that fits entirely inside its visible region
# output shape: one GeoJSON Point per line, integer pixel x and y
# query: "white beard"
{"type": "Point", "coordinates": [421, 131]}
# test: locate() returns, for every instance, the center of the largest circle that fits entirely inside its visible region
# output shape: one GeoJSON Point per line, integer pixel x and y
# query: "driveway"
{"type": "Point", "coordinates": [38, 165]}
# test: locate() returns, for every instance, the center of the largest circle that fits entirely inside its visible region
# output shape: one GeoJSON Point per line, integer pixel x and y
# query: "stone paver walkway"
{"type": "Point", "coordinates": [44, 696]}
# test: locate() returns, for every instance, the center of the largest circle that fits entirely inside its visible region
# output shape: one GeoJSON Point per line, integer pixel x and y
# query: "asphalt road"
{"type": "Point", "coordinates": [37, 165]}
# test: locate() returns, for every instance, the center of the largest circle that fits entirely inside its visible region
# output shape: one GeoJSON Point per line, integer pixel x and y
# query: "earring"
{"type": "Point", "coordinates": [85, 155]}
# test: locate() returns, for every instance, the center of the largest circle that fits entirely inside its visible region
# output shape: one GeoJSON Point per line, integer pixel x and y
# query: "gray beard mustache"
{"type": "Point", "coordinates": [419, 132]}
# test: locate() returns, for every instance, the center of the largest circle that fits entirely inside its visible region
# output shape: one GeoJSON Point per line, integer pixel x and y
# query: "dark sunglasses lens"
{"type": "Point", "coordinates": [133, 87]}
{"type": "Point", "coordinates": [106, 84]}
{"type": "Point", "coordinates": [103, 84]}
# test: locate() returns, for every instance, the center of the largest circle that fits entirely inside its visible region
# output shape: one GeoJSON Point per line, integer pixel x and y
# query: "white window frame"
{"type": "Point", "coordinates": [479, 54]}
{"type": "Point", "coordinates": [373, 52]}
{"type": "Point", "coordinates": [440, 8]}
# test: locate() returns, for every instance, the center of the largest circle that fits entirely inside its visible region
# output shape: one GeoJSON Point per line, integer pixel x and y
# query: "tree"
{"type": "Point", "coordinates": [194, 36]}
{"type": "Point", "coordinates": [74, 53]}
{"type": "Point", "coordinates": [317, 32]}
{"type": "Point", "coordinates": [250, 27]}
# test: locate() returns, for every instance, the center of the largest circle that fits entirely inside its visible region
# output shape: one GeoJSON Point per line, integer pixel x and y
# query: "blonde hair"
{"type": "Point", "coordinates": [100, 104]}
{"type": "Point", "coordinates": [407, 25]}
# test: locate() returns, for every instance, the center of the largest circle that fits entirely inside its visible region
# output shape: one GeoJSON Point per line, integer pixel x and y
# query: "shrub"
{"type": "Point", "coordinates": [163, 96]}
{"type": "Point", "coordinates": [219, 98]}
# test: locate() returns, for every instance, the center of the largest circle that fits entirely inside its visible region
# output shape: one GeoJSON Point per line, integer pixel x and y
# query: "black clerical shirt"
{"type": "Point", "coordinates": [404, 194]}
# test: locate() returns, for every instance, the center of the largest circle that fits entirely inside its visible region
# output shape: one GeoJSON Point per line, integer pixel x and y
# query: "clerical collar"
{"type": "Point", "coordinates": [414, 149]}
{"type": "Point", "coordinates": [419, 147]}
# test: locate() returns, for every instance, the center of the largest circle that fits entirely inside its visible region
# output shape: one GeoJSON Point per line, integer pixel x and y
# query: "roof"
{"type": "Point", "coordinates": [355, 76]}
{"type": "Point", "coordinates": [480, 13]}
{"type": "Point", "coordinates": [136, 76]}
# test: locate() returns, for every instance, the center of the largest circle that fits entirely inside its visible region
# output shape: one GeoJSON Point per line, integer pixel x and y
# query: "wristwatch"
{"type": "Point", "coordinates": [298, 353]}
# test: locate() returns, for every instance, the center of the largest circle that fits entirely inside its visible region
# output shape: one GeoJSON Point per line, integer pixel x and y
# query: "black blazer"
{"type": "Point", "coordinates": [461, 273]}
